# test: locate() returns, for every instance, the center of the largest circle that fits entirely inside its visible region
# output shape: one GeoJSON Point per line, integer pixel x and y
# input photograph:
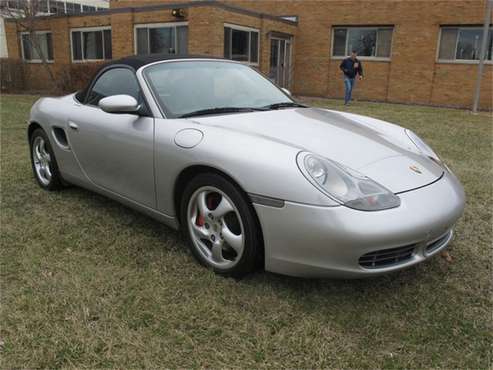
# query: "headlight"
{"type": "Point", "coordinates": [344, 185]}
{"type": "Point", "coordinates": [423, 147]}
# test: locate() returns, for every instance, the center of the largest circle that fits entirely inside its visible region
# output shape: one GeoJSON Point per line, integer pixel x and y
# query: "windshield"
{"type": "Point", "coordinates": [185, 87]}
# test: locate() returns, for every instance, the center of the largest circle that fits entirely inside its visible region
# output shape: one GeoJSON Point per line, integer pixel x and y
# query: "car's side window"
{"type": "Point", "coordinates": [116, 81]}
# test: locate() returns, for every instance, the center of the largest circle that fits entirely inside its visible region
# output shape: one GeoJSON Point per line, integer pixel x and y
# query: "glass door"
{"type": "Point", "coordinates": [280, 62]}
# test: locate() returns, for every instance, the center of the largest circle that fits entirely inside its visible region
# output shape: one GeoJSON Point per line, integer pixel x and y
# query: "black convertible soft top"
{"type": "Point", "coordinates": [135, 62]}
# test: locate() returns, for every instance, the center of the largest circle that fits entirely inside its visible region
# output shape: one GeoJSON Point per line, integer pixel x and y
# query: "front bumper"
{"type": "Point", "coordinates": [312, 241]}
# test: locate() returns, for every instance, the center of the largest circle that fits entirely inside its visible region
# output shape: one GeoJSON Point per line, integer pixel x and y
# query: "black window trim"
{"type": "Point", "coordinates": [145, 111]}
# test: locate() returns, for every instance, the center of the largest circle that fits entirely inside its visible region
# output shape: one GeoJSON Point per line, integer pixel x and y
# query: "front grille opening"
{"type": "Point", "coordinates": [387, 257]}
{"type": "Point", "coordinates": [430, 248]}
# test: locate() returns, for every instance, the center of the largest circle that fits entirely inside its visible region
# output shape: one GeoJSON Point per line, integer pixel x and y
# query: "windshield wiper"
{"type": "Point", "coordinates": [285, 105]}
{"type": "Point", "coordinates": [204, 112]}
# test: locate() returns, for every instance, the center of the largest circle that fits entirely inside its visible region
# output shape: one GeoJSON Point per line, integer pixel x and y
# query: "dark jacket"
{"type": "Point", "coordinates": [347, 66]}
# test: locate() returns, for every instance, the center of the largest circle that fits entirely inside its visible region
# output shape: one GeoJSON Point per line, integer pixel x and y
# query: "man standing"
{"type": "Point", "coordinates": [351, 67]}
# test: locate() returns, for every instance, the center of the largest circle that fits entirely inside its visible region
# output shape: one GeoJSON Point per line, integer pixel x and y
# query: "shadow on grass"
{"type": "Point", "coordinates": [173, 240]}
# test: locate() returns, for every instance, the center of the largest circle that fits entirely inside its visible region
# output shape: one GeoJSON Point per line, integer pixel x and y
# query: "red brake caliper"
{"type": "Point", "coordinates": [200, 221]}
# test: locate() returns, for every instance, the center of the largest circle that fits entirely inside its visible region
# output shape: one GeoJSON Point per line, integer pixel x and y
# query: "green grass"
{"type": "Point", "coordinates": [86, 282]}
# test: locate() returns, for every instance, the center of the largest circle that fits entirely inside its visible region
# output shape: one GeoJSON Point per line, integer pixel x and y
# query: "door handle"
{"type": "Point", "coordinates": [73, 126]}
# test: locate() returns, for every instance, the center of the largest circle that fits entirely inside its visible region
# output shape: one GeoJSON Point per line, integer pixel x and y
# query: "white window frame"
{"type": "Point", "coordinates": [249, 30]}
{"type": "Point", "coordinates": [37, 60]}
{"type": "Point", "coordinates": [82, 30]}
{"type": "Point", "coordinates": [376, 59]}
{"type": "Point", "coordinates": [81, 7]}
{"type": "Point", "coordinates": [458, 61]}
{"type": "Point", "coordinates": [149, 26]}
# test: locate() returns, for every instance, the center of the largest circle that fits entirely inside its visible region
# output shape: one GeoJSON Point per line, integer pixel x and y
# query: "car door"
{"type": "Point", "coordinates": [115, 151]}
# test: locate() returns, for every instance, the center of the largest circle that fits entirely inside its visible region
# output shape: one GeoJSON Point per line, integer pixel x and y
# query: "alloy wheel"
{"type": "Point", "coordinates": [215, 227]}
{"type": "Point", "coordinates": [42, 160]}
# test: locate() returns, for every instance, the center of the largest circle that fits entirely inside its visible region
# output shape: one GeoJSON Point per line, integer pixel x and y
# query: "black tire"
{"type": "Point", "coordinates": [56, 181]}
{"type": "Point", "coordinates": [253, 249]}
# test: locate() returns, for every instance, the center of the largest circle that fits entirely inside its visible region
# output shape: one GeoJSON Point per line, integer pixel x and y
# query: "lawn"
{"type": "Point", "coordinates": [86, 282]}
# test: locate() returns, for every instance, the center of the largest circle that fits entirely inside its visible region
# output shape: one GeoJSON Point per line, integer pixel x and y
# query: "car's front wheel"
{"type": "Point", "coordinates": [43, 161]}
{"type": "Point", "coordinates": [220, 225]}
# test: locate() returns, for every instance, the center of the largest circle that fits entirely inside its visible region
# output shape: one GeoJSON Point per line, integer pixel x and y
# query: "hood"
{"type": "Point", "coordinates": [380, 150]}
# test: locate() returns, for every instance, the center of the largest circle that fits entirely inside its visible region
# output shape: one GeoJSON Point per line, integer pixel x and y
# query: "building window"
{"type": "Point", "coordinates": [88, 8]}
{"type": "Point", "coordinates": [43, 6]}
{"type": "Point", "coordinates": [161, 39]}
{"type": "Point", "coordinates": [368, 42]}
{"type": "Point", "coordinates": [73, 8]}
{"type": "Point", "coordinates": [33, 49]}
{"type": "Point", "coordinates": [56, 7]}
{"type": "Point", "coordinates": [463, 44]}
{"type": "Point", "coordinates": [13, 4]}
{"type": "Point", "coordinates": [241, 44]}
{"type": "Point", "coordinates": [91, 44]}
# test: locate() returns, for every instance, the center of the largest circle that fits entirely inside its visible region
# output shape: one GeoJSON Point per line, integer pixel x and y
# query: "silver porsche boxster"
{"type": "Point", "coordinates": [253, 178]}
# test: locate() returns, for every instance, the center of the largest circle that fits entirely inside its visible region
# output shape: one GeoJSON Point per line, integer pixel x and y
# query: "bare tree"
{"type": "Point", "coordinates": [26, 14]}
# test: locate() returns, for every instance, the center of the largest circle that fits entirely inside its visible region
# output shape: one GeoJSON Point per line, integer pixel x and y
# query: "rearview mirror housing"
{"type": "Point", "coordinates": [119, 104]}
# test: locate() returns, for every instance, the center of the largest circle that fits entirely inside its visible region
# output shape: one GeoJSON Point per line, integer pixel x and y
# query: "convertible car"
{"type": "Point", "coordinates": [253, 178]}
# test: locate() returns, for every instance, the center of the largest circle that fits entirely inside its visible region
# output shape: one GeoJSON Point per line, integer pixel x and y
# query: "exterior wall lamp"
{"type": "Point", "coordinates": [178, 13]}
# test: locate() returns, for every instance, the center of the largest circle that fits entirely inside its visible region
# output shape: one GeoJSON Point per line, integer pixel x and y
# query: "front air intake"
{"type": "Point", "coordinates": [387, 257]}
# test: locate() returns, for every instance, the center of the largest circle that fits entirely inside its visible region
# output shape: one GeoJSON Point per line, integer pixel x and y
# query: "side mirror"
{"type": "Point", "coordinates": [119, 104]}
{"type": "Point", "coordinates": [286, 91]}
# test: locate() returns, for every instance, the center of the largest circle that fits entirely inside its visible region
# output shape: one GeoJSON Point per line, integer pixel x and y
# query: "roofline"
{"type": "Point", "coordinates": [186, 5]}
{"type": "Point", "coordinates": [191, 59]}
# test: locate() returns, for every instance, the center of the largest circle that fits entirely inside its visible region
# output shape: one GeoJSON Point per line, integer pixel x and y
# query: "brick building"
{"type": "Point", "coordinates": [413, 51]}
{"type": "Point", "coordinates": [46, 7]}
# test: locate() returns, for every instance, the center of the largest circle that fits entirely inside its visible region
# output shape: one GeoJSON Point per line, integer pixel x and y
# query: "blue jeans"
{"type": "Point", "coordinates": [349, 86]}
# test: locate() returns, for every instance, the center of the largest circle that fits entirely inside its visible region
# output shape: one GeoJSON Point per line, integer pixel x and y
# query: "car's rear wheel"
{"type": "Point", "coordinates": [220, 225]}
{"type": "Point", "coordinates": [43, 161]}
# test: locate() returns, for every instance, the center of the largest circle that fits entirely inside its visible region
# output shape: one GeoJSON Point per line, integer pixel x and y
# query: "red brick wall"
{"type": "Point", "coordinates": [412, 75]}
{"type": "Point", "coordinates": [206, 37]}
